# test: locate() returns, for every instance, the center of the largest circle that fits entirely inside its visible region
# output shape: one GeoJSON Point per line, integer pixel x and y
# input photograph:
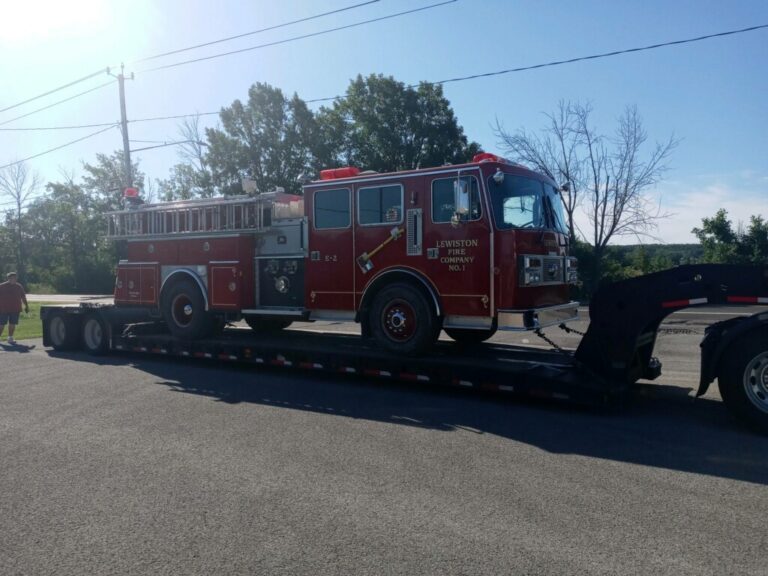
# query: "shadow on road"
{"type": "Point", "coordinates": [664, 427]}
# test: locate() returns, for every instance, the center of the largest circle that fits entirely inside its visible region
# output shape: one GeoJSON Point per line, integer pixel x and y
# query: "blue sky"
{"type": "Point", "coordinates": [711, 94]}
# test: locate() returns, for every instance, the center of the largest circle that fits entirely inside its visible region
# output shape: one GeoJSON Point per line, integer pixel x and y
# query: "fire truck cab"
{"type": "Point", "coordinates": [470, 249]}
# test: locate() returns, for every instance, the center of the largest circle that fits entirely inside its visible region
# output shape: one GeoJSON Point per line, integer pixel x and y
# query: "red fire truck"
{"type": "Point", "coordinates": [470, 249]}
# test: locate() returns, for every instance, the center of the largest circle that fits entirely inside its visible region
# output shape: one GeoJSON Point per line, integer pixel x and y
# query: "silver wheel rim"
{"type": "Point", "coordinates": [182, 310]}
{"type": "Point", "coordinates": [92, 334]}
{"type": "Point", "coordinates": [58, 331]}
{"type": "Point", "coordinates": [756, 381]}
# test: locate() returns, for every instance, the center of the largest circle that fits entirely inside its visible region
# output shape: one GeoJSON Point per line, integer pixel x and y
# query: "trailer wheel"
{"type": "Point", "coordinates": [743, 381]}
{"type": "Point", "coordinates": [184, 311]}
{"type": "Point", "coordinates": [266, 325]}
{"type": "Point", "coordinates": [95, 335]}
{"type": "Point", "coordinates": [469, 337]}
{"type": "Point", "coordinates": [402, 321]}
{"type": "Point", "coordinates": [63, 331]}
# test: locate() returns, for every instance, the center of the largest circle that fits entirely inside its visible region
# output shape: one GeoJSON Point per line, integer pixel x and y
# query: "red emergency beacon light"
{"type": "Point", "coordinates": [132, 198]}
{"type": "Point", "coordinates": [334, 173]}
{"type": "Point", "coordinates": [488, 157]}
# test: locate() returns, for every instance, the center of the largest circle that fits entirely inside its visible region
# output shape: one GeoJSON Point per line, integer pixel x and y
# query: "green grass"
{"type": "Point", "coordinates": [30, 326]}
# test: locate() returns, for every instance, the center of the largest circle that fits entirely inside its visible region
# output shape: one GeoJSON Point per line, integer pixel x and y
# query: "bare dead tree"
{"type": "Point", "coordinates": [609, 176]}
{"type": "Point", "coordinates": [618, 178]}
{"type": "Point", "coordinates": [555, 153]}
{"type": "Point", "coordinates": [192, 152]}
{"type": "Point", "coordinates": [18, 183]}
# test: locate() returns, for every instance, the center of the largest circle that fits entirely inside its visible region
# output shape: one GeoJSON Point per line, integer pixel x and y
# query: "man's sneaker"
{"type": "Point", "coordinates": [11, 340]}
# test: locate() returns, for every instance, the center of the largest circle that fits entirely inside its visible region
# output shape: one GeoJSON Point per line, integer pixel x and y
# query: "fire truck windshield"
{"type": "Point", "coordinates": [518, 202]}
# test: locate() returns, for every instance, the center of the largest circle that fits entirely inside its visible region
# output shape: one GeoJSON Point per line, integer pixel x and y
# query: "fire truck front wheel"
{"type": "Point", "coordinates": [402, 320]}
{"type": "Point", "coordinates": [468, 337]}
{"type": "Point", "coordinates": [184, 311]}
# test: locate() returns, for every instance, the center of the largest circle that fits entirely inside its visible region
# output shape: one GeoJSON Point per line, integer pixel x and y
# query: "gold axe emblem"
{"type": "Point", "coordinates": [364, 260]}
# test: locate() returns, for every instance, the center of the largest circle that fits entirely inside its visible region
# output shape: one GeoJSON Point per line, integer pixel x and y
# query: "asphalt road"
{"type": "Point", "coordinates": [131, 465]}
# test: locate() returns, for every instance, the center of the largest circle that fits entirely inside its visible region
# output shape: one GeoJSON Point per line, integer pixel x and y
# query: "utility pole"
{"type": "Point", "coordinates": [124, 125]}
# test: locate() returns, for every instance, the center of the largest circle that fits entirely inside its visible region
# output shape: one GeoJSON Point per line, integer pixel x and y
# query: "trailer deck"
{"type": "Point", "coordinates": [500, 368]}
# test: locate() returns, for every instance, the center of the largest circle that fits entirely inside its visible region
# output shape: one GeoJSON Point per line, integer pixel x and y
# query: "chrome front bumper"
{"type": "Point", "coordinates": [535, 318]}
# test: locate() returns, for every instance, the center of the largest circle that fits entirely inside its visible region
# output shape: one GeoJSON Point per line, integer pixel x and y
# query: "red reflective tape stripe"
{"type": "Point", "coordinates": [743, 299]}
{"type": "Point", "coordinates": [674, 304]}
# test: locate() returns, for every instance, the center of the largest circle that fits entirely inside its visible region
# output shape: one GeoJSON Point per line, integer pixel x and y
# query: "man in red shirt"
{"type": "Point", "coordinates": [11, 297]}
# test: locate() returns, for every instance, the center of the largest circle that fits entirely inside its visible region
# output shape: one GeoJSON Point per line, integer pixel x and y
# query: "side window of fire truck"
{"type": "Point", "coordinates": [380, 205]}
{"type": "Point", "coordinates": [332, 209]}
{"type": "Point", "coordinates": [555, 206]}
{"type": "Point", "coordinates": [443, 198]}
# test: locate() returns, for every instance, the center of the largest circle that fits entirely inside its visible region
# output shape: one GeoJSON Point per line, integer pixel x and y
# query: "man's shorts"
{"type": "Point", "coordinates": [6, 318]}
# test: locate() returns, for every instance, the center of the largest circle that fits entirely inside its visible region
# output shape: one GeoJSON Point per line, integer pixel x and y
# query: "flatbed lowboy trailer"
{"type": "Point", "coordinates": [615, 352]}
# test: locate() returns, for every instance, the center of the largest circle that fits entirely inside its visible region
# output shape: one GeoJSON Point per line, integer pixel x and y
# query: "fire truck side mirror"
{"type": "Point", "coordinates": [460, 200]}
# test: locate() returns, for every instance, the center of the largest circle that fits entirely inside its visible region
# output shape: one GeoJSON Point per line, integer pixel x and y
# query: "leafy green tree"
{"type": "Point", "coordinates": [185, 182]}
{"type": "Point", "coordinates": [191, 178]}
{"type": "Point", "coordinates": [270, 139]}
{"type": "Point", "coordinates": [723, 244]}
{"type": "Point", "coordinates": [104, 180]}
{"type": "Point", "coordinates": [66, 244]}
{"type": "Point", "coordinates": [383, 125]}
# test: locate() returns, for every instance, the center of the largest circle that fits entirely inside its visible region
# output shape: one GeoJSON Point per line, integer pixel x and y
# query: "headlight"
{"type": "Point", "coordinates": [531, 270]}
{"type": "Point", "coordinates": [572, 270]}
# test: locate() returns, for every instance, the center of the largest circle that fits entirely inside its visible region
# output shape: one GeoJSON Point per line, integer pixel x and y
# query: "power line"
{"type": "Point", "coordinates": [282, 25]}
{"type": "Point", "coordinates": [446, 81]}
{"type": "Point", "coordinates": [60, 147]}
{"type": "Point", "coordinates": [100, 86]}
{"type": "Point", "coordinates": [83, 79]}
{"type": "Point", "coordinates": [606, 54]}
{"type": "Point", "coordinates": [172, 117]}
{"type": "Point", "coordinates": [295, 38]}
{"type": "Point", "coordinates": [41, 128]}
{"type": "Point", "coordinates": [578, 59]}
{"type": "Point", "coordinates": [164, 144]}
{"type": "Point", "coordinates": [275, 27]}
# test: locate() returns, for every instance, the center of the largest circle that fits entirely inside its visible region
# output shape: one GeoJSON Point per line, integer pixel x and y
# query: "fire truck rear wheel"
{"type": "Point", "coordinates": [184, 311]}
{"type": "Point", "coordinates": [743, 381]}
{"type": "Point", "coordinates": [95, 335]}
{"type": "Point", "coordinates": [469, 337]}
{"type": "Point", "coordinates": [402, 320]}
{"type": "Point", "coordinates": [266, 325]}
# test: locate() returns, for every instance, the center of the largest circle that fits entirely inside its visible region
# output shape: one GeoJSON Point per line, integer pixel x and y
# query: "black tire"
{"type": "Point", "coordinates": [743, 381]}
{"type": "Point", "coordinates": [402, 320]}
{"type": "Point", "coordinates": [184, 311]}
{"type": "Point", "coordinates": [95, 335]}
{"type": "Point", "coordinates": [469, 337]}
{"type": "Point", "coordinates": [262, 325]}
{"type": "Point", "coordinates": [63, 331]}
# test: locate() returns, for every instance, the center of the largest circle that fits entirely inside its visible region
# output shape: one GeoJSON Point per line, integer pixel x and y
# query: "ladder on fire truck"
{"type": "Point", "coordinates": [196, 216]}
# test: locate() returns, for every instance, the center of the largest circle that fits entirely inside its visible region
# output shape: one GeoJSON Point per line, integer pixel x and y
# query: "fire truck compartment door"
{"type": "Point", "coordinates": [226, 285]}
{"type": "Point", "coordinates": [331, 263]}
{"type": "Point", "coordinates": [136, 284]}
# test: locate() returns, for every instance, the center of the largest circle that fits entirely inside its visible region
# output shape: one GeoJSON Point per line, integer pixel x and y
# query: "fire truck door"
{"type": "Point", "coordinates": [330, 266]}
{"type": "Point", "coordinates": [458, 247]}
